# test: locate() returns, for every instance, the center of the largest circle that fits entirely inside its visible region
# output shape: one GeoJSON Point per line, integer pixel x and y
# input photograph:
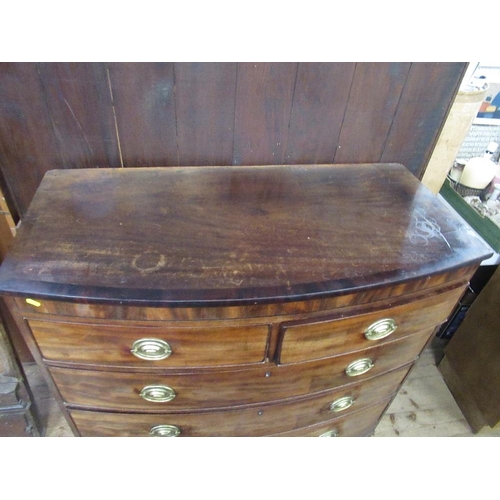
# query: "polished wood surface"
{"type": "Point", "coordinates": [228, 388]}
{"type": "Point", "coordinates": [121, 391]}
{"type": "Point", "coordinates": [323, 338]}
{"type": "Point", "coordinates": [382, 296]}
{"type": "Point", "coordinates": [112, 344]}
{"type": "Point", "coordinates": [423, 406]}
{"type": "Point", "coordinates": [232, 235]}
{"type": "Point", "coordinates": [69, 115]}
{"type": "Point", "coordinates": [363, 424]}
{"type": "Point", "coordinates": [242, 424]}
{"type": "Point", "coordinates": [261, 279]}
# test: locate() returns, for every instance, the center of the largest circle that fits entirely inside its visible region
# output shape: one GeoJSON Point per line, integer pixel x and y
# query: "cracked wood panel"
{"type": "Point", "coordinates": [370, 111]}
{"type": "Point", "coordinates": [318, 111]}
{"type": "Point", "coordinates": [79, 103]}
{"type": "Point", "coordinates": [425, 103]}
{"type": "Point", "coordinates": [144, 103]}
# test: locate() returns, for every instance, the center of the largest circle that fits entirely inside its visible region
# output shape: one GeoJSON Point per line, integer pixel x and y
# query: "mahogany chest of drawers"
{"type": "Point", "coordinates": [233, 301]}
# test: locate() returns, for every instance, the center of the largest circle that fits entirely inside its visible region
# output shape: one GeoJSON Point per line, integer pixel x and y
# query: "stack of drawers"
{"type": "Point", "coordinates": [233, 301]}
{"type": "Point", "coordinates": [323, 373]}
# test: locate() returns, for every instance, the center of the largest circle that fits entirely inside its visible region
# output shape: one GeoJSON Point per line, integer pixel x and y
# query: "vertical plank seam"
{"type": "Point", "coordinates": [175, 116]}
{"type": "Point", "coordinates": [382, 154]}
{"type": "Point", "coordinates": [337, 147]}
{"type": "Point", "coordinates": [285, 149]}
{"type": "Point", "coordinates": [235, 108]}
{"type": "Point", "coordinates": [114, 116]}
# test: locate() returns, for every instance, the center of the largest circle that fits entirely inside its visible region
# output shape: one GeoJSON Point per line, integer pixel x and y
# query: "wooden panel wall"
{"type": "Point", "coordinates": [71, 115]}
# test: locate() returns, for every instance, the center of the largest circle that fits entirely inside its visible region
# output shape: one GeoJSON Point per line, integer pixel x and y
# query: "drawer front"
{"type": "Point", "coordinates": [361, 423]}
{"type": "Point", "coordinates": [225, 389]}
{"type": "Point", "coordinates": [229, 424]}
{"type": "Point", "coordinates": [323, 338]}
{"type": "Point", "coordinates": [113, 345]}
{"type": "Point", "coordinates": [257, 421]}
{"type": "Point", "coordinates": [146, 392]}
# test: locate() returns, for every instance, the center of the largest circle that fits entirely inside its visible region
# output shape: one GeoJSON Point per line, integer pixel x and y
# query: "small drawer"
{"type": "Point", "coordinates": [155, 346]}
{"type": "Point", "coordinates": [361, 423]}
{"type": "Point", "coordinates": [149, 392]}
{"type": "Point", "coordinates": [256, 421]}
{"type": "Point", "coordinates": [303, 341]}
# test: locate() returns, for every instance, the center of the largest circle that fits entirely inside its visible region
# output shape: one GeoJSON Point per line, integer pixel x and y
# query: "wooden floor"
{"type": "Point", "coordinates": [423, 407]}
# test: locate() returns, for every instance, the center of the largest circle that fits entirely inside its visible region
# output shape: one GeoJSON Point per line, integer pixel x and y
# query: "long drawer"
{"type": "Point", "coordinates": [157, 346]}
{"type": "Point", "coordinates": [147, 392]}
{"type": "Point", "coordinates": [302, 341]}
{"type": "Point", "coordinates": [212, 389]}
{"type": "Point", "coordinates": [258, 421]}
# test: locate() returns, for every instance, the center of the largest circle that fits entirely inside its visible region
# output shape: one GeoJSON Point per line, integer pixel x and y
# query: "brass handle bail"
{"type": "Point", "coordinates": [380, 329]}
{"type": "Point", "coordinates": [359, 367]}
{"type": "Point", "coordinates": [342, 404]}
{"type": "Point", "coordinates": [158, 393]}
{"type": "Point", "coordinates": [151, 349]}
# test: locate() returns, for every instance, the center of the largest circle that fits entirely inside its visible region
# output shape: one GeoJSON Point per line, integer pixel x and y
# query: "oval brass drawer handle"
{"type": "Point", "coordinates": [158, 393]}
{"type": "Point", "coordinates": [329, 434]}
{"type": "Point", "coordinates": [164, 431]}
{"type": "Point", "coordinates": [151, 349]}
{"type": "Point", "coordinates": [342, 404]}
{"type": "Point", "coordinates": [359, 367]}
{"type": "Point", "coordinates": [380, 329]}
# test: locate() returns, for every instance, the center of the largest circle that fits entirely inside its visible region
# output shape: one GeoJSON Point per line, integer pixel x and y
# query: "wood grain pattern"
{"type": "Point", "coordinates": [257, 421]}
{"type": "Point", "coordinates": [378, 296]}
{"type": "Point", "coordinates": [121, 391]}
{"type": "Point", "coordinates": [106, 344]}
{"type": "Point", "coordinates": [244, 240]}
{"type": "Point", "coordinates": [423, 406]}
{"type": "Point", "coordinates": [145, 108]}
{"type": "Point", "coordinates": [322, 338]}
{"type": "Point", "coordinates": [319, 103]}
{"type": "Point", "coordinates": [234, 387]}
{"type": "Point", "coordinates": [421, 113]}
{"type": "Point", "coordinates": [79, 103]}
{"type": "Point", "coordinates": [370, 111]}
{"type": "Point", "coordinates": [232, 235]}
{"type": "Point", "coordinates": [264, 95]}
{"type": "Point", "coordinates": [360, 424]}
{"type": "Point", "coordinates": [205, 96]}
{"type": "Point", "coordinates": [28, 147]}
{"type": "Point", "coordinates": [60, 115]}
